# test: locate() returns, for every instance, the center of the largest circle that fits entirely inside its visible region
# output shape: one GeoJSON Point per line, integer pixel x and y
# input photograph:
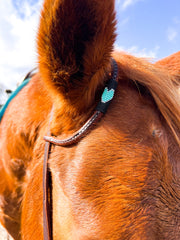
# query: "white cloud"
{"type": "Point", "coordinates": [127, 3]}
{"type": "Point", "coordinates": [144, 53]}
{"type": "Point", "coordinates": [124, 4]}
{"type": "Point", "coordinates": [17, 40]}
{"type": "Point", "coordinates": [171, 34]}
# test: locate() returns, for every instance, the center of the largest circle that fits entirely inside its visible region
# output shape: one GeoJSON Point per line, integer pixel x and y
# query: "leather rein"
{"type": "Point", "coordinates": [101, 109]}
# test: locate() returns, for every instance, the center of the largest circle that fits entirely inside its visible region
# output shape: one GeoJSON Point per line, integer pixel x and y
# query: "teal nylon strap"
{"type": "Point", "coordinates": [3, 109]}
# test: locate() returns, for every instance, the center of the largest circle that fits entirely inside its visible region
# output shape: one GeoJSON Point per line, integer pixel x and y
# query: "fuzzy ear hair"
{"type": "Point", "coordinates": [75, 42]}
{"type": "Point", "coordinates": [172, 64]}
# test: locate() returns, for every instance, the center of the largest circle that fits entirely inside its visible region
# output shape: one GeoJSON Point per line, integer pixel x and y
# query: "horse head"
{"type": "Point", "coordinates": [121, 179]}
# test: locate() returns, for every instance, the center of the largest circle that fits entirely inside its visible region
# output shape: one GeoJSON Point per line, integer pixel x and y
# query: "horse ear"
{"type": "Point", "coordinates": [75, 42]}
{"type": "Point", "coordinates": [172, 64]}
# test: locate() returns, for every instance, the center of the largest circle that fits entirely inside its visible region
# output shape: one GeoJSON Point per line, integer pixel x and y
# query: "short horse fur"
{"type": "Point", "coordinates": [122, 180]}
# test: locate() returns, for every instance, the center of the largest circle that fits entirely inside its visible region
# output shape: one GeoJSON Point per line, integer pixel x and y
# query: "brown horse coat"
{"type": "Point", "coordinates": [120, 182]}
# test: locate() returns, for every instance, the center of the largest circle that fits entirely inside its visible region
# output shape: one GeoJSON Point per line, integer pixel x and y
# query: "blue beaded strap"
{"type": "Point", "coordinates": [109, 90]}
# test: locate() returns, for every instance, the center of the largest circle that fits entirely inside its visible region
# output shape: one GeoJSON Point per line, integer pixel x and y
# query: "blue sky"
{"type": "Point", "coordinates": [145, 28]}
{"type": "Point", "coordinates": [152, 26]}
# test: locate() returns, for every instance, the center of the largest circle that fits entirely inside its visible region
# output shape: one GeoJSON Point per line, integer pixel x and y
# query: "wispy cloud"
{"type": "Point", "coordinates": [124, 4]}
{"type": "Point", "coordinates": [173, 31]}
{"type": "Point", "coordinates": [171, 34]}
{"type": "Point", "coordinates": [127, 3]}
{"type": "Point", "coordinates": [136, 51]}
{"type": "Point", "coordinates": [176, 20]}
{"type": "Point", "coordinates": [18, 28]}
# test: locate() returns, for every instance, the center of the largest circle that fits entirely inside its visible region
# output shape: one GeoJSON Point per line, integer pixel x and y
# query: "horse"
{"type": "Point", "coordinates": [120, 179]}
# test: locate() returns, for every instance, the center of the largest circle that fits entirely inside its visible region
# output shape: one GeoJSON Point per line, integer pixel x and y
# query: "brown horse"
{"type": "Point", "coordinates": [122, 180]}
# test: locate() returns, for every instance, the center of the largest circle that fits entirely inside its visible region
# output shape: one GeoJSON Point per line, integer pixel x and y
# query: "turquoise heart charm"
{"type": "Point", "coordinates": [107, 95]}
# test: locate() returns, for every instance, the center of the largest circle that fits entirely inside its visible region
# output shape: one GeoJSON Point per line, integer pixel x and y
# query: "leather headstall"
{"type": "Point", "coordinates": [100, 110]}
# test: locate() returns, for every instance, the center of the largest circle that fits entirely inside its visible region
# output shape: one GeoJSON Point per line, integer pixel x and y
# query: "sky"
{"type": "Point", "coordinates": [145, 28]}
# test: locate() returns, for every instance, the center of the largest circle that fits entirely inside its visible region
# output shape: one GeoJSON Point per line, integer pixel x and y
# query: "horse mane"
{"type": "Point", "coordinates": [161, 84]}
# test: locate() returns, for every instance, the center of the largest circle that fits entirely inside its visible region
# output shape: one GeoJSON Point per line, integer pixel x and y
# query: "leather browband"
{"type": "Point", "coordinates": [79, 134]}
{"type": "Point", "coordinates": [101, 109]}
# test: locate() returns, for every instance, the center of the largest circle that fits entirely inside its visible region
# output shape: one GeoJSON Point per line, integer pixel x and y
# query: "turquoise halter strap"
{"type": "Point", "coordinates": [3, 109]}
